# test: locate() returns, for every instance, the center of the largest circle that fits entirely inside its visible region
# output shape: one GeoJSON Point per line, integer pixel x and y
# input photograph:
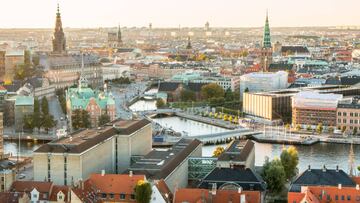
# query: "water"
{"type": "Point", "coordinates": [316, 155]}
{"type": "Point", "coordinates": [192, 128]}
{"type": "Point", "coordinates": [143, 105]}
{"type": "Point", "coordinates": [26, 147]}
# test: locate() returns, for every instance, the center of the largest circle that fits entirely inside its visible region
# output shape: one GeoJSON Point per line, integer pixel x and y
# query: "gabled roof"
{"type": "Point", "coordinates": [237, 150]}
{"type": "Point", "coordinates": [164, 190]}
{"type": "Point", "coordinates": [321, 177]}
{"type": "Point", "coordinates": [56, 189]}
{"type": "Point", "coordinates": [115, 183]}
{"type": "Point", "coordinates": [246, 178]}
{"type": "Point", "coordinates": [28, 186]}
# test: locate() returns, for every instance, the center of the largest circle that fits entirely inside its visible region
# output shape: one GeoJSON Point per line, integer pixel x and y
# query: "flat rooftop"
{"type": "Point", "coordinates": [160, 163]}
{"type": "Point", "coordinates": [237, 150]}
{"type": "Point", "coordinates": [82, 140]}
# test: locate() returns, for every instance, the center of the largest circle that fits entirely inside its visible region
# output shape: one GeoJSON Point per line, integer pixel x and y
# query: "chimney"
{"type": "Point", "coordinates": [240, 190]}
{"type": "Point", "coordinates": [324, 168]}
{"type": "Point", "coordinates": [339, 186]}
{"type": "Point", "coordinates": [213, 189]}
{"type": "Point", "coordinates": [130, 173]}
{"type": "Point", "coordinates": [357, 187]}
{"type": "Point", "coordinates": [102, 172]}
{"type": "Point", "coordinates": [337, 168]}
{"type": "Point", "coordinates": [309, 168]}
{"type": "Point", "coordinates": [242, 198]}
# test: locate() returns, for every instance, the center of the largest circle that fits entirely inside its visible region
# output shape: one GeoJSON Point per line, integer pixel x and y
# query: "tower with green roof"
{"type": "Point", "coordinates": [266, 52]}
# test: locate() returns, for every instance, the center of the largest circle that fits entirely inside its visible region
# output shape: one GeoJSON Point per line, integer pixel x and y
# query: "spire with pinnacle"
{"type": "Point", "coordinates": [59, 41]}
{"type": "Point", "coordinates": [189, 44]}
{"type": "Point", "coordinates": [119, 35]}
{"type": "Point", "coordinates": [267, 39]}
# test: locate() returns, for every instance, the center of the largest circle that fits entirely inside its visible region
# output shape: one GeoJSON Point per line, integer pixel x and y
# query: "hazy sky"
{"type": "Point", "coordinates": [171, 13]}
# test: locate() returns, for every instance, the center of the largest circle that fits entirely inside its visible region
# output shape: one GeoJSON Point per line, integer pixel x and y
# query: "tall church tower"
{"type": "Point", "coordinates": [59, 41]}
{"type": "Point", "coordinates": [119, 37]}
{"type": "Point", "coordinates": [266, 51]}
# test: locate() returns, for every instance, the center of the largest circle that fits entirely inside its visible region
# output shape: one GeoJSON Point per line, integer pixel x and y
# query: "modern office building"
{"type": "Point", "coordinates": [170, 165]}
{"type": "Point", "coordinates": [311, 108]}
{"type": "Point", "coordinates": [263, 81]}
{"type": "Point", "coordinates": [109, 148]}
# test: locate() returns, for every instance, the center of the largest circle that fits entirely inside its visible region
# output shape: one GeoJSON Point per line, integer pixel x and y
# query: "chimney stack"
{"type": "Point", "coordinates": [213, 189]}
{"type": "Point", "coordinates": [324, 168]}
{"type": "Point", "coordinates": [337, 168]}
{"type": "Point", "coordinates": [131, 173]}
{"type": "Point", "coordinates": [240, 190]}
{"type": "Point", "coordinates": [309, 168]}
{"type": "Point", "coordinates": [357, 187]}
{"type": "Point", "coordinates": [339, 186]}
{"type": "Point", "coordinates": [102, 172]}
{"type": "Point", "coordinates": [242, 198]}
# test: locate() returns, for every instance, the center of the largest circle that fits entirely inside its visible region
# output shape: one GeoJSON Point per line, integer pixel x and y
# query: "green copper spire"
{"type": "Point", "coordinates": [267, 39]}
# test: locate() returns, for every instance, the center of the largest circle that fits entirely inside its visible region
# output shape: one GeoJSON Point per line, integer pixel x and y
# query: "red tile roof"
{"type": "Point", "coordinates": [164, 190]}
{"type": "Point", "coordinates": [204, 195]}
{"type": "Point", "coordinates": [28, 186]}
{"type": "Point", "coordinates": [56, 189]}
{"type": "Point", "coordinates": [115, 183]}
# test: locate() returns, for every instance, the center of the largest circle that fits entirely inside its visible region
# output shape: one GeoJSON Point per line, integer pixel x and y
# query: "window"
{"type": "Point", "coordinates": [356, 114]}
{"type": "Point", "coordinates": [339, 113]}
{"type": "Point", "coordinates": [342, 197]}
{"type": "Point", "coordinates": [328, 197]}
{"type": "Point", "coordinates": [351, 120]}
{"type": "Point", "coordinates": [348, 197]}
{"type": "Point", "coordinates": [358, 198]}
{"type": "Point", "coordinates": [344, 113]}
{"type": "Point", "coordinates": [112, 195]}
{"type": "Point", "coordinates": [344, 120]}
{"type": "Point", "coordinates": [351, 114]}
{"type": "Point", "coordinates": [336, 197]}
{"type": "Point", "coordinates": [103, 195]}
{"type": "Point", "coordinates": [339, 120]}
{"type": "Point", "coordinates": [132, 196]}
{"type": "Point", "coordinates": [122, 196]}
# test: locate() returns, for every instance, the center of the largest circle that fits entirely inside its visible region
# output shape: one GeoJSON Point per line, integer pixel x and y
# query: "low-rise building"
{"type": "Point", "coordinates": [12, 60]}
{"type": "Point", "coordinates": [238, 154]}
{"type": "Point", "coordinates": [348, 115]}
{"type": "Point", "coordinates": [170, 165]}
{"type": "Point", "coordinates": [110, 148]}
{"type": "Point", "coordinates": [312, 108]}
{"type": "Point", "coordinates": [24, 105]}
{"type": "Point", "coordinates": [114, 71]}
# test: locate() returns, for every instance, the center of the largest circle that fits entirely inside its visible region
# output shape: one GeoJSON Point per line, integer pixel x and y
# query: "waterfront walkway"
{"type": "Point", "coordinates": [207, 120]}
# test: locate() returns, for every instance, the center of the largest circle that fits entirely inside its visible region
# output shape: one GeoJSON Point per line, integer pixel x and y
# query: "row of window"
{"type": "Point", "coordinates": [351, 114]}
{"type": "Point", "coordinates": [336, 198]}
{"type": "Point", "coordinates": [351, 121]}
{"type": "Point", "coordinates": [112, 196]}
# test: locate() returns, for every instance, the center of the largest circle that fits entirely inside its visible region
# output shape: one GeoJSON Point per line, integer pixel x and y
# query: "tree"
{"type": "Point", "coordinates": [218, 151]}
{"type": "Point", "coordinates": [274, 175]}
{"type": "Point", "coordinates": [289, 159]}
{"type": "Point", "coordinates": [308, 128]}
{"type": "Point", "coordinates": [217, 101]}
{"type": "Point", "coordinates": [76, 119]}
{"type": "Point", "coordinates": [319, 128]}
{"type": "Point", "coordinates": [44, 106]}
{"type": "Point", "coordinates": [355, 131]}
{"type": "Point", "coordinates": [343, 129]}
{"type": "Point", "coordinates": [298, 127]}
{"type": "Point", "coordinates": [85, 119]}
{"type": "Point", "coordinates": [48, 122]}
{"type": "Point", "coordinates": [160, 103]}
{"type": "Point", "coordinates": [358, 168]}
{"type": "Point", "coordinates": [103, 119]}
{"type": "Point", "coordinates": [212, 90]}
{"type": "Point", "coordinates": [331, 129]}
{"type": "Point", "coordinates": [143, 192]}
{"type": "Point", "coordinates": [246, 89]}
{"type": "Point", "coordinates": [37, 115]}
{"type": "Point", "coordinates": [187, 95]}
{"type": "Point", "coordinates": [287, 126]}
{"type": "Point", "coordinates": [28, 122]}
{"type": "Point", "coordinates": [229, 95]}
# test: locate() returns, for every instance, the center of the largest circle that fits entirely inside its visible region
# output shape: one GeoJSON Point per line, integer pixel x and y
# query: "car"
{"type": "Point", "coordinates": [21, 176]}
{"type": "Point", "coordinates": [61, 118]}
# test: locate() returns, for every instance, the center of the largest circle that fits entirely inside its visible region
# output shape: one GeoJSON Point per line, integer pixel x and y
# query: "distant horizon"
{"type": "Point", "coordinates": [40, 14]}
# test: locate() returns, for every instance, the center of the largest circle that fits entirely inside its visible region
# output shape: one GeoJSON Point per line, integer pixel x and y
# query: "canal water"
{"type": "Point", "coordinates": [316, 155]}
{"type": "Point", "coordinates": [143, 105]}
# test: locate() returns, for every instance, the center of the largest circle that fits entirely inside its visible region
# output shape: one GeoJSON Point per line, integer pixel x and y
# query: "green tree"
{"type": "Point", "coordinates": [44, 106]}
{"type": "Point", "coordinates": [76, 119]}
{"type": "Point", "coordinates": [319, 128]}
{"type": "Point", "coordinates": [298, 127]}
{"type": "Point", "coordinates": [287, 126]}
{"type": "Point", "coordinates": [28, 123]}
{"type": "Point", "coordinates": [358, 168]}
{"type": "Point", "coordinates": [219, 101]}
{"type": "Point", "coordinates": [160, 103]}
{"type": "Point", "coordinates": [289, 159]}
{"type": "Point", "coordinates": [218, 151]}
{"type": "Point", "coordinates": [143, 192]}
{"type": "Point", "coordinates": [355, 131]}
{"type": "Point", "coordinates": [308, 128]}
{"type": "Point", "coordinates": [48, 122]}
{"type": "Point", "coordinates": [85, 119]}
{"type": "Point", "coordinates": [229, 95]}
{"type": "Point", "coordinates": [212, 90]}
{"type": "Point", "coordinates": [103, 119]}
{"type": "Point", "coordinates": [274, 175]}
{"type": "Point", "coordinates": [246, 89]}
{"type": "Point", "coordinates": [187, 95]}
{"type": "Point", "coordinates": [343, 129]}
{"type": "Point", "coordinates": [37, 115]}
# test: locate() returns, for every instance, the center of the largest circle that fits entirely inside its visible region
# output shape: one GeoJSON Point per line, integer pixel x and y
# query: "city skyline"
{"type": "Point", "coordinates": [108, 13]}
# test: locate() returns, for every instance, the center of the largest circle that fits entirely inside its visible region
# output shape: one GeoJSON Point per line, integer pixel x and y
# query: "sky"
{"type": "Point", "coordinates": [174, 13]}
